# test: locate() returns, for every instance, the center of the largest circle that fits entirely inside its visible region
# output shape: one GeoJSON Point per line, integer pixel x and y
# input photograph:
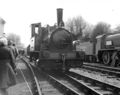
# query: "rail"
{"type": "Point", "coordinates": [38, 91]}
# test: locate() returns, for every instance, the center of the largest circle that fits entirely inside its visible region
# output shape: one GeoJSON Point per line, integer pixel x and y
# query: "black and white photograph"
{"type": "Point", "coordinates": [59, 47]}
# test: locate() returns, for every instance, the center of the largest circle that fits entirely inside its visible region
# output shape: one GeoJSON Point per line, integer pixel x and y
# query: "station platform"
{"type": "Point", "coordinates": [23, 81]}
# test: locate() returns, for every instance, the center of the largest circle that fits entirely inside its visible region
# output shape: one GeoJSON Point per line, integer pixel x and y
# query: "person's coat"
{"type": "Point", "coordinates": [7, 75]}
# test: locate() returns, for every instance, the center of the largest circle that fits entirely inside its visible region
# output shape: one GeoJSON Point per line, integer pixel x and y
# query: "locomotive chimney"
{"type": "Point", "coordinates": [60, 22]}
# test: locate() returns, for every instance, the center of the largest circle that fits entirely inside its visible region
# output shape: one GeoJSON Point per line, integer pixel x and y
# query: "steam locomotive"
{"type": "Point", "coordinates": [105, 50]}
{"type": "Point", "coordinates": [53, 46]}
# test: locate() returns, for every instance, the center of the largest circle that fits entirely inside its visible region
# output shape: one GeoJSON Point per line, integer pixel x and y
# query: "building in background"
{"type": "Point", "coordinates": [2, 22]}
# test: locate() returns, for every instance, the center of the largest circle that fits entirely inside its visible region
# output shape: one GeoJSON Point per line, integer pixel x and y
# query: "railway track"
{"type": "Point", "coordinates": [104, 69]}
{"type": "Point", "coordinates": [45, 86]}
{"type": "Point", "coordinates": [75, 83]}
{"type": "Point", "coordinates": [36, 90]}
{"type": "Point", "coordinates": [25, 80]}
{"type": "Point", "coordinates": [93, 86]}
{"type": "Point", "coordinates": [64, 83]}
{"type": "Point", "coordinates": [59, 81]}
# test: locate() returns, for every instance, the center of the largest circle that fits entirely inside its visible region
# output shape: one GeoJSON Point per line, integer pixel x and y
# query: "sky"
{"type": "Point", "coordinates": [20, 14]}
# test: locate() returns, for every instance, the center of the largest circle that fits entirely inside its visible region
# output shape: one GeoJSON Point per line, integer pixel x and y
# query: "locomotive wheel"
{"type": "Point", "coordinates": [115, 60]}
{"type": "Point", "coordinates": [106, 58]}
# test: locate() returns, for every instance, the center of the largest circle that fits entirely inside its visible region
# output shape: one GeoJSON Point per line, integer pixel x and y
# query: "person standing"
{"type": "Point", "coordinates": [10, 45]}
{"type": "Point", "coordinates": [16, 55]}
{"type": "Point", "coordinates": [16, 50]}
{"type": "Point", "coordinates": [7, 75]}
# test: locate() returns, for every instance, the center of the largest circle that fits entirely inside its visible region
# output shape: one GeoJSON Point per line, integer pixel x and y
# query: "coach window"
{"type": "Point", "coordinates": [109, 43]}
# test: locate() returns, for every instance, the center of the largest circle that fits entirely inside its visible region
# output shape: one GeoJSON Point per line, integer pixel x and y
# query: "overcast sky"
{"type": "Point", "coordinates": [19, 14]}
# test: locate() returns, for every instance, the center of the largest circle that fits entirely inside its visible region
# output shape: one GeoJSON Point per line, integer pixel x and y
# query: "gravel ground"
{"type": "Point", "coordinates": [99, 76]}
{"type": "Point", "coordinates": [21, 87]}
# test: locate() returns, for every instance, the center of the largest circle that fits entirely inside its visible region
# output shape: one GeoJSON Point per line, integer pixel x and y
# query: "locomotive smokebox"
{"type": "Point", "coordinates": [60, 22]}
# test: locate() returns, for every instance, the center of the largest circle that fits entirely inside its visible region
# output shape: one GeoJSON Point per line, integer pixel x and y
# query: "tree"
{"type": "Point", "coordinates": [117, 29]}
{"type": "Point", "coordinates": [70, 25]}
{"type": "Point", "coordinates": [16, 39]}
{"type": "Point", "coordinates": [87, 32]}
{"type": "Point", "coordinates": [100, 28]}
{"type": "Point", "coordinates": [76, 26]}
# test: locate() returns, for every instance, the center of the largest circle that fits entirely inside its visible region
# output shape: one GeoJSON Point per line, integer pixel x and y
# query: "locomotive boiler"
{"type": "Point", "coordinates": [53, 46]}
